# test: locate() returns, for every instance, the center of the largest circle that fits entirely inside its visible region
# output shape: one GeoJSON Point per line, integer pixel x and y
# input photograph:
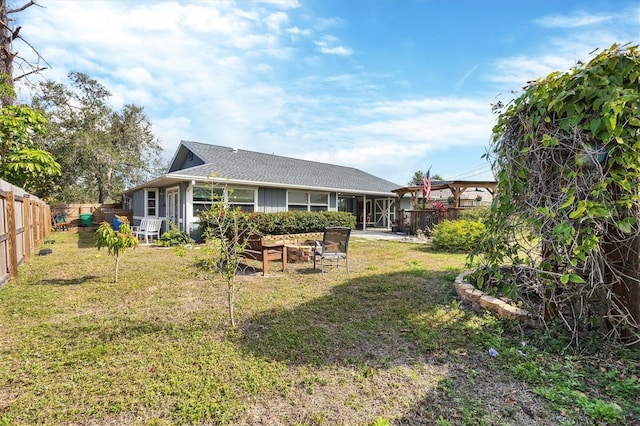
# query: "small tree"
{"type": "Point", "coordinates": [116, 242]}
{"type": "Point", "coordinates": [226, 241]}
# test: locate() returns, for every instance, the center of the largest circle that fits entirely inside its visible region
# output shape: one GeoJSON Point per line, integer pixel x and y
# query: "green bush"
{"type": "Point", "coordinates": [457, 235]}
{"type": "Point", "coordinates": [476, 214]}
{"type": "Point", "coordinates": [174, 237]}
{"type": "Point", "coordinates": [294, 222]}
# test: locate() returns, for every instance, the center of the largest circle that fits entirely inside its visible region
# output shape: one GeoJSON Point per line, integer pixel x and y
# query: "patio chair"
{"type": "Point", "coordinates": [333, 249]}
{"type": "Point", "coordinates": [148, 228]}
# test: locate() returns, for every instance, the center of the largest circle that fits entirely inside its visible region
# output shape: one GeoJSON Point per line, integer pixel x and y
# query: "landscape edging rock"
{"type": "Point", "coordinates": [469, 294]}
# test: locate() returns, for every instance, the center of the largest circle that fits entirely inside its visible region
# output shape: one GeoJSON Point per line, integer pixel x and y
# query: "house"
{"type": "Point", "coordinates": [259, 182]}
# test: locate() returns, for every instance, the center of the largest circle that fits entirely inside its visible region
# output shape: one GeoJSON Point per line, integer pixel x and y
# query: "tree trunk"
{"type": "Point", "coordinates": [115, 280]}
{"type": "Point", "coordinates": [231, 294]}
{"type": "Point", "coordinates": [623, 273]}
{"type": "Point", "coordinates": [6, 56]}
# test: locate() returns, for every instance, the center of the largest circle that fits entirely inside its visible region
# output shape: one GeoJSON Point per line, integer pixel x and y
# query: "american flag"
{"type": "Point", "coordinates": [426, 185]}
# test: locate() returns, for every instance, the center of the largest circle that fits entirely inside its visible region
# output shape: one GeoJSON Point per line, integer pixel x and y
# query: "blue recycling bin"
{"type": "Point", "coordinates": [116, 223]}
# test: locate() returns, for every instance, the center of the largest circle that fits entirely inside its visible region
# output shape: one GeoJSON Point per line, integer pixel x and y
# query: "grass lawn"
{"type": "Point", "coordinates": [387, 344]}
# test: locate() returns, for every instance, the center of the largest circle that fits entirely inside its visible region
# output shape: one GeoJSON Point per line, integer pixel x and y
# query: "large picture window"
{"type": "Point", "coordinates": [307, 201]}
{"type": "Point", "coordinates": [204, 196]}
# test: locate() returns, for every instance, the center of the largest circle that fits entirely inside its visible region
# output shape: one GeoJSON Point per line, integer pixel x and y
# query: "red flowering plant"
{"type": "Point", "coordinates": [440, 208]}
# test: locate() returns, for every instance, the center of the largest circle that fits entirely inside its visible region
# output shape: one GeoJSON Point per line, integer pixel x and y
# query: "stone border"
{"type": "Point", "coordinates": [468, 293]}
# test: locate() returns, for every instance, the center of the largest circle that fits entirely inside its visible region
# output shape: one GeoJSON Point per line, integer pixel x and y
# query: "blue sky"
{"type": "Point", "coordinates": [387, 86]}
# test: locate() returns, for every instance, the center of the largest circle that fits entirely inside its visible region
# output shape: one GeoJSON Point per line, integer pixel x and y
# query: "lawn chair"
{"type": "Point", "coordinates": [334, 248]}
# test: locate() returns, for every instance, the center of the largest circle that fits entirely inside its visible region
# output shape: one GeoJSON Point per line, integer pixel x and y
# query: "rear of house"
{"type": "Point", "coordinates": [259, 182]}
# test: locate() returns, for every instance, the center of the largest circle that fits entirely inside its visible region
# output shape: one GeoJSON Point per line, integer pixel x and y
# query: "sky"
{"type": "Point", "coordinates": [387, 86]}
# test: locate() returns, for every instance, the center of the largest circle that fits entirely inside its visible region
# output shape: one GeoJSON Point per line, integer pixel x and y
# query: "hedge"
{"type": "Point", "coordinates": [294, 222]}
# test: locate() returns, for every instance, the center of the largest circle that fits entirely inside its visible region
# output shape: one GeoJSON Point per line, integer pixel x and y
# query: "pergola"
{"type": "Point", "coordinates": [457, 187]}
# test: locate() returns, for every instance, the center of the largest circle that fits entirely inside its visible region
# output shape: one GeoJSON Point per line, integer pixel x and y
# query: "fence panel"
{"type": "Point", "coordinates": [24, 223]}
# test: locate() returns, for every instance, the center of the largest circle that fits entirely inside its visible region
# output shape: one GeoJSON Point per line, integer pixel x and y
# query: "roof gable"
{"type": "Point", "coordinates": [185, 158]}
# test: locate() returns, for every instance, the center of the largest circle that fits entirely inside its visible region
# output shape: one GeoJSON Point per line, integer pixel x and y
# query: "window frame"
{"type": "Point", "coordinates": [308, 205]}
{"type": "Point", "coordinates": [224, 192]}
{"type": "Point", "coordinates": [156, 199]}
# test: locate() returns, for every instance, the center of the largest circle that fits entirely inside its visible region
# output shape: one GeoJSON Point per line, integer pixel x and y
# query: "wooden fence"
{"type": "Point", "coordinates": [25, 221]}
{"type": "Point", "coordinates": [101, 212]}
{"type": "Point", "coordinates": [427, 219]}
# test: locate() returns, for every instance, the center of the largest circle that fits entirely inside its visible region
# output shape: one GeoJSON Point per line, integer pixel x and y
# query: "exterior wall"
{"type": "Point", "coordinates": [190, 161]}
{"type": "Point", "coordinates": [271, 200]}
{"type": "Point", "coordinates": [333, 201]}
{"type": "Point", "coordinates": [137, 204]}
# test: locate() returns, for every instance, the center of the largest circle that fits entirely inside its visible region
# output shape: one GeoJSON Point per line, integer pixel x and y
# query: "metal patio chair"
{"type": "Point", "coordinates": [333, 249]}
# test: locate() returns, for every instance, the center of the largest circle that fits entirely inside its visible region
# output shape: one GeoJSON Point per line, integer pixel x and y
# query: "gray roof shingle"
{"type": "Point", "coordinates": [229, 163]}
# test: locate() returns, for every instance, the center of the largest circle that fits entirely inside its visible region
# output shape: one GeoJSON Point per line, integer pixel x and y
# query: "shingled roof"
{"type": "Point", "coordinates": [272, 170]}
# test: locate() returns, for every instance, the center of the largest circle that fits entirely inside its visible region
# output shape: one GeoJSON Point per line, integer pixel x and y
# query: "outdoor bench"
{"type": "Point", "coordinates": [259, 249]}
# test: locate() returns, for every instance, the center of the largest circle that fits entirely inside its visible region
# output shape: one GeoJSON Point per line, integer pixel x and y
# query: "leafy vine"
{"type": "Point", "coordinates": [566, 154]}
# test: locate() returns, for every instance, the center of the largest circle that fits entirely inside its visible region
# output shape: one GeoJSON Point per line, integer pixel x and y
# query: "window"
{"type": "Point", "coordinates": [126, 203]}
{"type": "Point", "coordinates": [242, 198]}
{"type": "Point", "coordinates": [203, 197]}
{"type": "Point", "coordinates": [151, 202]}
{"type": "Point", "coordinates": [307, 201]}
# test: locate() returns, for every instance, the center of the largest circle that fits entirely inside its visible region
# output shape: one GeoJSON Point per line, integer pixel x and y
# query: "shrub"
{"type": "Point", "coordinates": [174, 237]}
{"type": "Point", "coordinates": [293, 222]}
{"type": "Point", "coordinates": [476, 214]}
{"type": "Point", "coordinates": [457, 235]}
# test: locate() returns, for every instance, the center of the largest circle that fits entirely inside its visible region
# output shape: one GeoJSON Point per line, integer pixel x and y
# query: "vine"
{"type": "Point", "coordinates": [566, 154]}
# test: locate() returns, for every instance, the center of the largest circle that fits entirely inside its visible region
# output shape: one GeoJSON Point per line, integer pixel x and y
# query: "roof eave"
{"type": "Point", "coordinates": [280, 185]}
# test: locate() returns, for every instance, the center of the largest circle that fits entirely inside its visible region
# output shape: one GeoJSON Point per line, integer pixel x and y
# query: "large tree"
{"type": "Point", "coordinates": [102, 151]}
{"type": "Point", "coordinates": [419, 175]}
{"type": "Point", "coordinates": [9, 33]}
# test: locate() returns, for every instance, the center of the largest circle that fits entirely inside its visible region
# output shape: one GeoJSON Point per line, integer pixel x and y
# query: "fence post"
{"type": "Point", "coordinates": [12, 261]}
{"type": "Point", "coordinates": [26, 223]}
{"type": "Point", "coordinates": [36, 229]}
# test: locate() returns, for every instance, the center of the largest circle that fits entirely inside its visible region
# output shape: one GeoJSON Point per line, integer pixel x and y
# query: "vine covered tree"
{"type": "Point", "coordinates": [102, 151]}
{"type": "Point", "coordinates": [565, 216]}
{"type": "Point", "coordinates": [9, 34]}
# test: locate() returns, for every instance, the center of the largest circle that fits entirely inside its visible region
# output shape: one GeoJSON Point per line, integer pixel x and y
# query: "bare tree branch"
{"type": "Point", "coordinates": [23, 7]}
{"type": "Point", "coordinates": [34, 71]}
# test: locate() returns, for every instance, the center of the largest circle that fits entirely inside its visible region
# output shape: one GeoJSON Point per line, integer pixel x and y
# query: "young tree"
{"type": "Point", "coordinates": [567, 206]}
{"type": "Point", "coordinates": [102, 151]}
{"type": "Point", "coordinates": [116, 242]}
{"type": "Point", "coordinates": [226, 235]}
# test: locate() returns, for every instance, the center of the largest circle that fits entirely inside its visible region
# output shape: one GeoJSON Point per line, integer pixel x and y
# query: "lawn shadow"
{"type": "Point", "coordinates": [70, 281]}
{"type": "Point", "coordinates": [86, 239]}
{"type": "Point", "coordinates": [381, 320]}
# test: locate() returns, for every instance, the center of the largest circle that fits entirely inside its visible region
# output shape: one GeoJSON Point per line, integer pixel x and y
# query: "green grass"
{"type": "Point", "coordinates": [387, 344]}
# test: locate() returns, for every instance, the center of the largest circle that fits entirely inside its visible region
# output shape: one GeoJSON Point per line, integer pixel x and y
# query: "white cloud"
{"type": "Point", "coordinates": [295, 31]}
{"type": "Point", "coordinates": [224, 72]}
{"type": "Point", "coordinates": [330, 45]}
{"type": "Point", "coordinates": [579, 19]}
